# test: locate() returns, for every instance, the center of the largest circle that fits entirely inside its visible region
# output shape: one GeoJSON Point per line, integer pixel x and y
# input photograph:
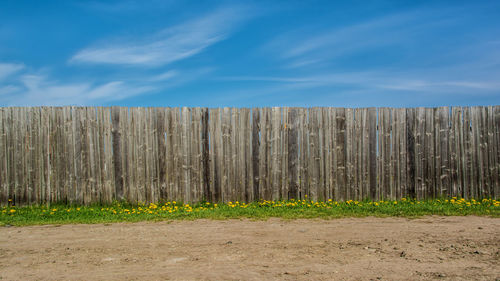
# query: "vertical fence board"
{"type": "Point", "coordinates": [357, 147]}
{"type": "Point", "coordinates": [283, 155]}
{"type": "Point", "coordinates": [476, 165]}
{"type": "Point", "coordinates": [205, 155]}
{"type": "Point", "coordinates": [340, 147]}
{"type": "Point", "coordinates": [314, 151]}
{"type": "Point", "coordinates": [161, 152]}
{"type": "Point", "coordinates": [293, 152]}
{"type": "Point", "coordinates": [117, 162]}
{"type": "Point", "coordinates": [275, 152]}
{"type": "Point", "coordinates": [169, 155]}
{"type": "Point", "coordinates": [496, 143]}
{"type": "Point", "coordinates": [216, 154]}
{"type": "Point", "coordinates": [395, 184]}
{"type": "Point", "coordinates": [4, 196]}
{"type": "Point", "coordinates": [485, 171]}
{"type": "Point", "coordinates": [430, 158]}
{"type": "Point", "coordinates": [226, 153]}
{"type": "Point", "coordinates": [444, 176]}
{"type": "Point", "coordinates": [372, 141]}
{"type": "Point", "coordinates": [491, 151]}
{"type": "Point", "coordinates": [178, 155]}
{"type": "Point", "coordinates": [256, 152]}
{"type": "Point", "coordinates": [303, 156]}
{"type": "Point", "coordinates": [467, 172]}
{"type": "Point", "coordinates": [264, 188]}
{"type": "Point", "coordinates": [245, 152]}
{"type": "Point", "coordinates": [364, 153]}
{"type": "Point", "coordinates": [349, 154]}
{"type": "Point", "coordinates": [384, 155]}
{"type": "Point", "coordinates": [234, 167]}
{"type": "Point", "coordinates": [403, 156]}
{"type": "Point", "coordinates": [419, 152]}
{"type": "Point", "coordinates": [454, 152]}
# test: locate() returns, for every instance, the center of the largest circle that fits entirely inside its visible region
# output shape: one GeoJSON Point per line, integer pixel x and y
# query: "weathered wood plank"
{"type": "Point", "coordinates": [476, 165]}
{"type": "Point", "coordinates": [169, 155]}
{"type": "Point", "coordinates": [215, 154]}
{"type": "Point", "coordinates": [327, 151]}
{"type": "Point", "coordinates": [429, 176]}
{"type": "Point", "coordinates": [196, 157]}
{"type": "Point", "coordinates": [442, 143]}
{"type": "Point", "coordinates": [364, 153]}
{"type": "Point", "coordinates": [419, 152]}
{"type": "Point", "coordinates": [4, 197]}
{"type": "Point", "coordinates": [403, 160]}
{"type": "Point", "coordinates": [358, 151]}
{"type": "Point", "coordinates": [275, 153]}
{"type": "Point", "coordinates": [467, 159]}
{"type": "Point", "coordinates": [340, 153]}
{"type": "Point", "coordinates": [178, 155]}
{"type": "Point", "coordinates": [384, 157]}
{"type": "Point", "coordinates": [285, 181]}
{"type": "Point", "coordinates": [454, 151]}
{"type": "Point", "coordinates": [395, 184]}
{"type": "Point", "coordinates": [234, 168]}
{"type": "Point", "coordinates": [314, 151]}
{"type": "Point", "coordinates": [351, 185]}
{"type": "Point", "coordinates": [161, 152]}
{"type": "Point", "coordinates": [245, 153]}
{"type": "Point", "coordinates": [117, 155]}
{"type": "Point", "coordinates": [293, 153]}
{"type": "Point", "coordinates": [303, 153]}
{"type": "Point", "coordinates": [496, 144]}
{"type": "Point", "coordinates": [372, 153]}
{"type": "Point", "coordinates": [483, 147]}
{"type": "Point", "coordinates": [186, 153]}
{"type": "Point", "coordinates": [256, 152]}
{"type": "Point", "coordinates": [264, 157]}
{"type": "Point", "coordinates": [226, 154]}
{"type": "Point", "coordinates": [205, 154]}
{"type": "Point", "coordinates": [108, 151]}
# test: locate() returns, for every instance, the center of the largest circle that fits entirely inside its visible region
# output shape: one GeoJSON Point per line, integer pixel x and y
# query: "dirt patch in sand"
{"type": "Point", "coordinates": [444, 248]}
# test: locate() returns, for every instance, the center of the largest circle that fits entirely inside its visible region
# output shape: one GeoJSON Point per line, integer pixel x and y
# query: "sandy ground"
{"type": "Point", "coordinates": [444, 248]}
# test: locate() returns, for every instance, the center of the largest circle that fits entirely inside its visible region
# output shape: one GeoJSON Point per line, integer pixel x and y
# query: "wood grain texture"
{"type": "Point", "coordinates": [86, 155]}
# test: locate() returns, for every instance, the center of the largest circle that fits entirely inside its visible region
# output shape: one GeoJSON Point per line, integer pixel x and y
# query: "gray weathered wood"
{"type": "Point", "coordinates": [256, 152]}
{"type": "Point", "coordinates": [293, 152]}
{"type": "Point", "coordinates": [88, 155]}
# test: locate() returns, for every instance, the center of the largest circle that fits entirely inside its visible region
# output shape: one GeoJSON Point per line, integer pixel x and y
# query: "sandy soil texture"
{"type": "Point", "coordinates": [442, 248]}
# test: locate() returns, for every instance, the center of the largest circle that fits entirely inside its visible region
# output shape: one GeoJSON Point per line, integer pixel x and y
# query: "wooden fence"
{"type": "Point", "coordinates": [100, 154]}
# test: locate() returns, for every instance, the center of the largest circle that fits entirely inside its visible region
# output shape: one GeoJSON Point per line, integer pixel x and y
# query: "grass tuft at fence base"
{"type": "Point", "coordinates": [292, 209]}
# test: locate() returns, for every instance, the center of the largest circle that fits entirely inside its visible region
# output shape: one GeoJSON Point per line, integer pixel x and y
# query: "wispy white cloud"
{"type": "Point", "coordinates": [377, 80]}
{"type": "Point", "coordinates": [382, 31]}
{"type": "Point", "coordinates": [172, 44]}
{"type": "Point", "coordinates": [7, 69]}
{"type": "Point", "coordinates": [164, 76]}
{"type": "Point", "coordinates": [118, 90]}
{"type": "Point", "coordinates": [316, 44]}
{"type": "Point", "coordinates": [39, 89]}
{"type": "Point", "coordinates": [9, 89]}
{"type": "Point", "coordinates": [356, 58]}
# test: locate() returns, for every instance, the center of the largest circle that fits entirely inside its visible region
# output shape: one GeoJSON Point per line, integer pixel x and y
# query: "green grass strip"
{"type": "Point", "coordinates": [293, 209]}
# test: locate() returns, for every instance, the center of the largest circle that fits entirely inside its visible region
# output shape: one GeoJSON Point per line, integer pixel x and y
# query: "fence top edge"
{"type": "Point", "coordinates": [256, 107]}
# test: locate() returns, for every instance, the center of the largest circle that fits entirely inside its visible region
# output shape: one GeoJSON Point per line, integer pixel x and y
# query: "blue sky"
{"type": "Point", "coordinates": [250, 53]}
